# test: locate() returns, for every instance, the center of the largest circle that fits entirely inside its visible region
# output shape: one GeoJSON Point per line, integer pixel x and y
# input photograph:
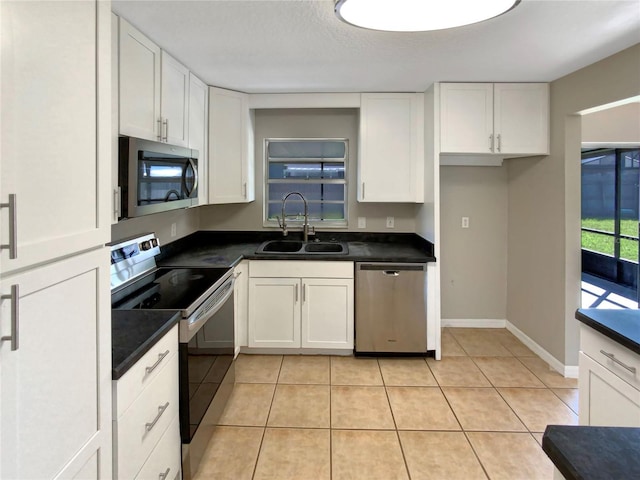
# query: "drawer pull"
{"type": "Point", "coordinates": [160, 358]}
{"type": "Point", "coordinates": [163, 476]}
{"type": "Point", "coordinates": [612, 357]}
{"type": "Point", "coordinates": [161, 410]}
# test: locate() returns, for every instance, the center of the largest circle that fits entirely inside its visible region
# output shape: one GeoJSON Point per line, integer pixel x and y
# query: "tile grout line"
{"type": "Point", "coordinates": [264, 431]}
{"type": "Point", "coordinates": [393, 417]}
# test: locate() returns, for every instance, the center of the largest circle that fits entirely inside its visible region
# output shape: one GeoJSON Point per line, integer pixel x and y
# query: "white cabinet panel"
{"type": "Point", "coordinates": [494, 118]}
{"type": "Point", "coordinates": [164, 461]}
{"type": "Point", "coordinates": [230, 147]}
{"type": "Point", "coordinates": [198, 121]}
{"type": "Point", "coordinates": [521, 117]}
{"type": "Point", "coordinates": [53, 405]}
{"type": "Point", "coordinates": [391, 154]}
{"type": "Point", "coordinates": [50, 130]}
{"type": "Point", "coordinates": [274, 312]}
{"type": "Point", "coordinates": [466, 119]}
{"type": "Point", "coordinates": [139, 84]}
{"type": "Point", "coordinates": [605, 399]}
{"type": "Point", "coordinates": [174, 103]}
{"type": "Point", "coordinates": [327, 313]}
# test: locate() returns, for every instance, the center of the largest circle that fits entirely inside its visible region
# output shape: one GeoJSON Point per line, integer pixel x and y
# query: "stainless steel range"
{"type": "Point", "coordinates": [205, 298]}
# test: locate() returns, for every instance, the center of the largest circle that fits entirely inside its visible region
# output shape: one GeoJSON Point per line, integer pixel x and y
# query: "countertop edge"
{"type": "Point", "coordinates": [123, 367]}
{"type": "Point", "coordinates": [583, 316]}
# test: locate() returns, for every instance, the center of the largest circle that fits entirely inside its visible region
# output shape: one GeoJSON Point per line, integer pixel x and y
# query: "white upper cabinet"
{"type": "Point", "coordinates": [174, 104]}
{"type": "Point", "coordinates": [231, 152]}
{"type": "Point", "coordinates": [501, 118]}
{"type": "Point", "coordinates": [154, 90]}
{"type": "Point", "coordinates": [139, 61]}
{"type": "Point", "coordinates": [198, 119]}
{"type": "Point", "coordinates": [391, 153]}
{"type": "Point", "coordinates": [53, 165]}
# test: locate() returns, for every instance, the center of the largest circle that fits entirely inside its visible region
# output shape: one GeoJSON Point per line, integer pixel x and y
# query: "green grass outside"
{"type": "Point", "coordinates": [604, 244]}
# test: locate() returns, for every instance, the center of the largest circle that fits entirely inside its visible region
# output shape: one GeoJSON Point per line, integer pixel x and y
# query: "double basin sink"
{"type": "Point", "coordinates": [297, 247]}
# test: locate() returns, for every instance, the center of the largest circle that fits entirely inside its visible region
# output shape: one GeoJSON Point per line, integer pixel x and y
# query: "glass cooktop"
{"type": "Point", "coordinates": [167, 289]}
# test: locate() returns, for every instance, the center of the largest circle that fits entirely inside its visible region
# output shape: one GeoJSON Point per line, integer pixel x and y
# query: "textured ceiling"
{"type": "Point", "coordinates": [267, 46]}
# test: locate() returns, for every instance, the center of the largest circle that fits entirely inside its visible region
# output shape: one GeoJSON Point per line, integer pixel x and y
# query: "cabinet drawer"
{"type": "Point", "coordinates": [164, 461]}
{"type": "Point", "coordinates": [300, 268]}
{"type": "Point", "coordinates": [142, 425]}
{"type": "Point", "coordinates": [131, 384]}
{"type": "Point", "coordinates": [593, 344]}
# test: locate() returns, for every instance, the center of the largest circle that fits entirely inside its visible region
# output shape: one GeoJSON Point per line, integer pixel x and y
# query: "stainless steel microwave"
{"type": "Point", "coordinates": [155, 177]}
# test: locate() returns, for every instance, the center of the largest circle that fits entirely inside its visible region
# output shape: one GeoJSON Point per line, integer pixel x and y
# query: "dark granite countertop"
{"type": "Point", "coordinates": [623, 326]}
{"type": "Point", "coordinates": [134, 332]}
{"type": "Point", "coordinates": [598, 453]}
{"type": "Point", "coordinates": [226, 249]}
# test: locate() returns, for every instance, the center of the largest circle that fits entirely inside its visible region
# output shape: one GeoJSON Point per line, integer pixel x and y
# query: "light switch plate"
{"type": "Point", "coordinates": [465, 222]}
{"type": "Point", "coordinates": [173, 229]}
{"type": "Point", "coordinates": [390, 222]}
{"type": "Point", "coordinates": [362, 222]}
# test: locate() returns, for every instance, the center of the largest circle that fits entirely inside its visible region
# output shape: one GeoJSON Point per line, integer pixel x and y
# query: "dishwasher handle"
{"type": "Point", "coordinates": [392, 269]}
{"type": "Point", "coordinates": [391, 273]}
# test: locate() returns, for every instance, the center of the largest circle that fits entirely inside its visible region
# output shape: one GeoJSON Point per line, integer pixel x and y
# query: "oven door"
{"type": "Point", "coordinates": [206, 374]}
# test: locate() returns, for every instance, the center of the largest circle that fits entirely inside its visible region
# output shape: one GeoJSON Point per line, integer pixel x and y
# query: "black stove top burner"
{"type": "Point", "coordinates": [167, 289]}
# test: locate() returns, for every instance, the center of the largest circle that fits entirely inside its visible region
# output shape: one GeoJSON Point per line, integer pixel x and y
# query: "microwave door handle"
{"type": "Point", "coordinates": [195, 177]}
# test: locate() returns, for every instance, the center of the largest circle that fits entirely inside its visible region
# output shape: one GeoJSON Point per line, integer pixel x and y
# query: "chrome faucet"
{"type": "Point", "coordinates": [306, 229]}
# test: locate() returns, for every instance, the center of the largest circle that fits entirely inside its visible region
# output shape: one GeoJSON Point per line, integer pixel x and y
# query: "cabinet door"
{"type": "Point", "coordinates": [230, 147]}
{"type": "Point", "coordinates": [521, 118]}
{"type": "Point", "coordinates": [55, 130]}
{"type": "Point", "coordinates": [174, 104]}
{"type": "Point", "coordinates": [327, 313]}
{"type": "Point", "coordinates": [605, 399]}
{"type": "Point", "coordinates": [139, 84]}
{"type": "Point", "coordinates": [274, 312]}
{"type": "Point", "coordinates": [391, 158]}
{"type": "Point", "coordinates": [241, 302]}
{"type": "Point", "coordinates": [466, 118]}
{"type": "Point", "coordinates": [198, 113]}
{"type": "Point", "coordinates": [55, 402]}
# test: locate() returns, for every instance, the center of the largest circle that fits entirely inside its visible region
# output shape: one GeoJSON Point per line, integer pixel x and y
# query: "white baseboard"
{"type": "Point", "coordinates": [473, 322]}
{"type": "Point", "coordinates": [569, 371]}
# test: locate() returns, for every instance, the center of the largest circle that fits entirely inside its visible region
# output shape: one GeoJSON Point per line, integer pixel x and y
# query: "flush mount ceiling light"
{"type": "Point", "coordinates": [419, 15]}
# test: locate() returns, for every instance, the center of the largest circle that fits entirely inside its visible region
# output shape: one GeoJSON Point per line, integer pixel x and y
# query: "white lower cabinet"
{"type": "Point", "coordinates": [297, 304]}
{"type": "Point", "coordinates": [241, 303]}
{"type": "Point", "coordinates": [145, 428]}
{"type": "Point", "coordinates": [609, 392]}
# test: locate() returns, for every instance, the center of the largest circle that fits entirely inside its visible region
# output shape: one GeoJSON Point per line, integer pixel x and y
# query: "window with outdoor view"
{"type": "Point", "coordinates": [316, 168]}
{"type": "Point", "coordinates": [610, 180]}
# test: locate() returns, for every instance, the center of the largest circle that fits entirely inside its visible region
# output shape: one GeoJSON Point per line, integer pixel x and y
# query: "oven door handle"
{"type": "Point", "coordinates": [190, 329]}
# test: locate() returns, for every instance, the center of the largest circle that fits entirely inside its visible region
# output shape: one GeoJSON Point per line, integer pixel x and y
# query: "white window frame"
{"type": "Point", "coordinates": [292, 220]}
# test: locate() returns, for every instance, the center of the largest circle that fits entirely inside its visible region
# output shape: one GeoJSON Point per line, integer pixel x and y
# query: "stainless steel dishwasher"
{"type": "Point", "coordinates": [391, 308]}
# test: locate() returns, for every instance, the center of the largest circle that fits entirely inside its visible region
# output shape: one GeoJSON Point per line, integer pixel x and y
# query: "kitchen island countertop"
{"type": "Point", "coordinates": [622, 326]}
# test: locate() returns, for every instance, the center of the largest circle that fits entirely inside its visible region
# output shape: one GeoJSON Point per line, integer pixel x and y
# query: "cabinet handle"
{"type": "Point", "coordinates": [244, 189]}
{"type": "Point", "coordinates": [612, 357]}
{"type": "Point", "coordinates": [499, 144]}
{"type": "Point", "coordinates": [363, 190]}
{"type": "Point", "coordinates": [163, 476]}
{"type": "Point", "coordinates": [117, 201]}
{"type": "Point", "coordinates": [161, 410]}
{"type": "Point", "coordinates": [12, 246]}
{"type": "Point", "coordinates": [491, 143]}
{"type": "Point", "coordinates": [15, 317]}
{"type": "Point", "coordinates": [297, 293]}
{"type": "Point", "coordinates": [160, 358]}
{"type": "Point", "coordinates": [166, 130]}
{"type": "Point", "coordinates": [159, 129]}
{"type": "Point", "coordinates": [304, 293]}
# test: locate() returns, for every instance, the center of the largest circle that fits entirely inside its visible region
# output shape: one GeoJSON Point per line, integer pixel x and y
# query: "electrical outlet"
{"type": "Point", "coordinates": [362, 222]}
{"type": "Point", "coordinates": [173, 229]}
{"type": "Point", "coordinates": [390, 222]}
{"type": "Point", "coordinates": [465, 222]}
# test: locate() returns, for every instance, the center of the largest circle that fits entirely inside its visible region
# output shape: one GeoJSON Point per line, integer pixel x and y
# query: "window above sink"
{"type": "Point", "coordinates": [315, 167]}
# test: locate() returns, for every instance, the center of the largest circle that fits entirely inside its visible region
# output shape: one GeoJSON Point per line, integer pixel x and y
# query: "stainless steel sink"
{"type": "Point", "coordinates": [296, 247]}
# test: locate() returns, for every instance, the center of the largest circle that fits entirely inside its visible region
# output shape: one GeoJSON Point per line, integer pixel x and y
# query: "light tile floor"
{"type": "Point", "coordinates": [478, 413]}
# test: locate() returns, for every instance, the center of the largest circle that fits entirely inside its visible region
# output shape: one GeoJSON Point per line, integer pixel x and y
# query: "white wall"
{"type": "Point", "coordinates": [618, 125]}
